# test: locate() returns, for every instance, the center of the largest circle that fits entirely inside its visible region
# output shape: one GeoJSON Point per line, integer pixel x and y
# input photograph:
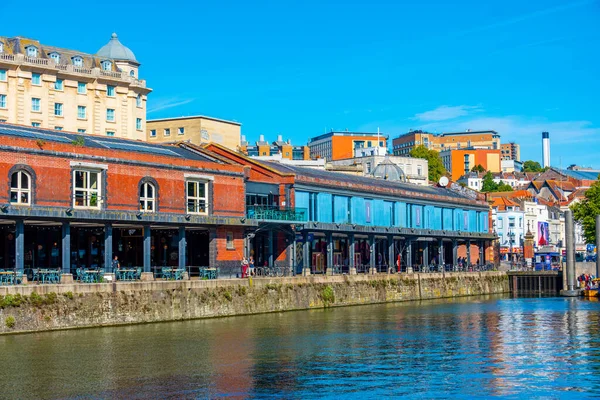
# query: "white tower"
{"type": "Point", "coordinates": [545, 149]}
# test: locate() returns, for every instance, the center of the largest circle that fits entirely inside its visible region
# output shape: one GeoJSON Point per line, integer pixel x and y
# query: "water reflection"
{"type": "Point", "coordinates": [469, 347]}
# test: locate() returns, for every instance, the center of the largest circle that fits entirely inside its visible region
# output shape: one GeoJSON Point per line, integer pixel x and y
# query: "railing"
{"type": "Point", "coordinates": [273, 272]}
{"type": "Point", "coordinates": [7, 57]}
{"type": "Point", "coordinates": [276, 213]}
{"type": "Point", "coordinates": [80, 70]}
{"type": "Point", "coordinates": [36, 61]}
{"type": "Point", "coordinates": [112, 74]}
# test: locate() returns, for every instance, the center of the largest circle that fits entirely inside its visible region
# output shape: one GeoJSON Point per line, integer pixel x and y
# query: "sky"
{"type": "Point", "coordinates": [301, 68]}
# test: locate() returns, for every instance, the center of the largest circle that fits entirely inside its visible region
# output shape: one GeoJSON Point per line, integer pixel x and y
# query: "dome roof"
{"type": "Point", "coordinates": [116, 51]}
{"type": "Point", "coordinates": [389, 171]}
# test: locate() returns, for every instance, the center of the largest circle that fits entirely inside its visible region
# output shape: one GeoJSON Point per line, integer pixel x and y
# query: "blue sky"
{"type": "Point", "coordinates": [299, 68]}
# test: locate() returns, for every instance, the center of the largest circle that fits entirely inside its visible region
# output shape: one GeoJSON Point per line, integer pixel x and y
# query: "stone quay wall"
{"type": "Point", "coordinates": [34, 308]}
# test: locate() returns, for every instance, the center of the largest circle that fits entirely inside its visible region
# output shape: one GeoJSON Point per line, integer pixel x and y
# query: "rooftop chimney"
{"type": "Point", "coordinates": [261, 138]}
{"type": "Point", "coordinates": [280, 138]}
{"type": "Point", "coordinates": [545, 149]}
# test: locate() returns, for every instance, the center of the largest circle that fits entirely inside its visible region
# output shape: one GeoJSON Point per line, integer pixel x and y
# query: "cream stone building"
{"type": "Point", "coordinates": [195, 129]}
{"type": "Point", "coordinates": [63, 89]}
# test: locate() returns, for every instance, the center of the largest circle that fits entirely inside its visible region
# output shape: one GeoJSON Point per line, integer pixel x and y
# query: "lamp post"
{"type": "Point", "coordinates": [511, 237]}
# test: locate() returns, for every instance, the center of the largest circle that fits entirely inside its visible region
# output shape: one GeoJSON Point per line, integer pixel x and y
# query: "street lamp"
{"type": "Point", "coordinates": [511, 238]}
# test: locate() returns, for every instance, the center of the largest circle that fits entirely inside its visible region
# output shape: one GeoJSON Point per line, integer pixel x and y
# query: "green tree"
{"type": "Point", "coordinates": [436, 167]}
{"type": "Point", "coordinates": [504, 187]}
{"type": "Point", "coordinates": [488, 184]}
{"type": "Point", "coordinates": [532, 166]}
{"type": "Point", "coordinates": [478, 168]}
{"type": "Point", "coordinates": [585, 212]}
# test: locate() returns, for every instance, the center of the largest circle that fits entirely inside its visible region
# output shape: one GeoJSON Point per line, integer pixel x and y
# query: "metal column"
{"type": "Point", "coordinates": [19, 245]}
{"type": "Point", "coordinates": [66, 247]}
{"type": "Point", "coordinates": [270, 248]}
{"type": "Point", "coordinates": [351, 255]}
{"type": "Point", "coordinates": [306, 255]}
{"type": "Point", "coordinates": [468, 252]}
{"type": "Point", "coordinates": [108, 247]}
{"type": "Point", "coordinates": [373, 255]}
{"type": "Point", "coordinates": [147, 248]}
{"type": "Point", "coordinates": [441, 254]}
{"type": "Point", "coordinates": [408, 254]}
{"type": "Point", "coordinates": [182, 244]}
{"type": "Point", "coordinates": [330, 252]}
{"type": "Point", "coordinates": [454, 252]}
{"type": "Point", "coordinates": [426, 254]}
{"type": "Point", "coordinates": [481, 252]}
{"type": "Point", "coordinates": [391, 254]}
{"type": "Point", "coordinates": [569, 233]}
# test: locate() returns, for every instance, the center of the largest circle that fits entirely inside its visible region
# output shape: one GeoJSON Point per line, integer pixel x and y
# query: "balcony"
{"type": "Point", "coordinates": [266, 213]}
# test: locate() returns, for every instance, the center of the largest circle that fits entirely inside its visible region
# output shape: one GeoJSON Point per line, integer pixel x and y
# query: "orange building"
{"type": "Point", "coordinates": [341, 145]}
{"type": "Point", "coordinates": [461, 162]}
{"type": "Point", "coordinates": [403, 144]}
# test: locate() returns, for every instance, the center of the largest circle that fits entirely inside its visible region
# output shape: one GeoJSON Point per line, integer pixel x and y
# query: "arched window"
{"type": "Point", "coordinates": [138, 100]}
{"type": "Point", "coordinates": [106, 65]}
{"type": "Point", "coordinates": [147, 197]}
{"type": "Point", "coordinates": [20, 188]}
{"type": "Point", "coordinates": [77, 61]}
{"type": "Point", "coordinates": [1, 47]}
{"type": "Point", "coordinates": [132, 73]}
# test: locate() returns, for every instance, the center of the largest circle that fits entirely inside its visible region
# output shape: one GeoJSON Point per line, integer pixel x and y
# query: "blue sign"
{"type": "Point", "coordinates": [590, 248]}
{"type": "Point", "coordinates": [311, 237]}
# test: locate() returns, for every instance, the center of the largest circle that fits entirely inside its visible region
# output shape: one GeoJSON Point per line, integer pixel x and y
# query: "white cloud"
{"type": "Point", "coordinates": [443, 113]}
{"type": "Point", "coordinates": [164, 104]}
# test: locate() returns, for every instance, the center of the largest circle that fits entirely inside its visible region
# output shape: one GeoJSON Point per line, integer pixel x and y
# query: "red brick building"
{"type": "Point", "coordinates": [69, 201]}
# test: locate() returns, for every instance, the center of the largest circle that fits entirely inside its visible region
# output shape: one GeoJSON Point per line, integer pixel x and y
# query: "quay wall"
{"type": "Point", "coordinates": [33, 308]}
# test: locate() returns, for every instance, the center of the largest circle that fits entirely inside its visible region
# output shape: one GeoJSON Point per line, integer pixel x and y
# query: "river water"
{"type": "Point", "coordinates": [466, 348]}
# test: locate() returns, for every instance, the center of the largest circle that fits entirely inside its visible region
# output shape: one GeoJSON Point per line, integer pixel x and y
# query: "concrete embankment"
{"type": "Point", "coordinates": [30, 308]}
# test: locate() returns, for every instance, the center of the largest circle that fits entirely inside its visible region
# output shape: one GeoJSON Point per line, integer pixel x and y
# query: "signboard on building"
{"type": "Point", "coordinates": [543, 233]}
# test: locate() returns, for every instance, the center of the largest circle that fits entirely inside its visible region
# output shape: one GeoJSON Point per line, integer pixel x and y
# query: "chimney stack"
{"type": "Point", "coordinates": [545, 149]}
{"type": "Point", "coordinates": [261, 138]}
{"type": "Point", "coordinates": [280, 138]}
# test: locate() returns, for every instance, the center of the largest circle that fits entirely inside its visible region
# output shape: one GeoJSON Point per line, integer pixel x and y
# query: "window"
{"type": "Point", "coordinates": [153, 133]}
{"type": "Point", "coordinates": [31, 51]}
{"type": "Point", "coordinates": [180, 131]}
{"type": "Point", "coordinates": [55, 57]}
{"type": "Point", "coordinates": [2, 101]}
{"type": "Point", "coordinates": [110, 133]}
{"type": "Point", "coordinates": [419, 170]}
{"type": "Point", "coordinates": [20, 188]}
{"type": "Point", "coordinates": [81, 87]}
{"type": "Point", "coordinates": [511, 222]}
{"type": "Point", "coordinates": [110, 114]}
{"type": "Point", "coordinates": [35, 104]}
{"type": "Point", "coordinates": [58, 128]}
{"type": "Point", "coordinates": [1, 47]}
{"type": "Point", "coordinates": [167, 132]}
{"type": "Point", "coordinates": [36, 79]}
{"type": "Point", "coordinates": [196, 197]}
{"type": "Point", "coordinates": [35, 124]}
{"type": "Point", "coordinates": [368, 168]}
{"type": "Point", "coordinates": [58, 85]}
{"type": "Point", "coordinates": [86, 188]}
{"type": "Point", "coordinates": [138, 124]}
{"type": "Point", "coordinates": [138, 100]}
{"type": "Point", "coordinates": [106, 65]}
{"type": "Point", "coordinates": [132, 73]}
{"type": "Point", "coordinates": [230, 243]}
{"type": "Point", "coordinates": [81, 112]}
{"type": "Point", "coordinates": [80, 130]}
{"type": "Point", "coordinates": [58, 109]}
{"type": "Point", "coordinates": [147, 197]}
{"type": "Point", "coordinates": [77, 61]}
{"type": "Point", "coordinates": [3, 75]}
{"type": "Point", "coordinates": [110, 91]}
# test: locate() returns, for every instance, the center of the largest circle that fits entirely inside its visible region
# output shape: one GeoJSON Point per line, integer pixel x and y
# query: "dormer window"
{"type": "Point", "coordinates": [1, 47]}
{"type": "Point", "coordinates": [31, 51]}
{"type": "Point", "coordinates": [77, 61]}
{"type": "Point", "coordinates": [106, 65]}
{"type": "Point", "coordinates": [55, 57]}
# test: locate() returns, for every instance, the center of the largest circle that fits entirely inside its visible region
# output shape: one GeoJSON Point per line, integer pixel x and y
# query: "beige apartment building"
{"type": "Point", "coordinates": [51, 87]}
{"type": "Point", "coordinates": [511, 151]}
{"type": "Point", "coordinates": [403, 144]}
{"type": "Point", "coordinates": [195, 129]}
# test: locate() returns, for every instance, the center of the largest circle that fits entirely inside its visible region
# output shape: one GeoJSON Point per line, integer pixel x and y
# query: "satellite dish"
{"type": "Point", "coordinates": [443, 182]}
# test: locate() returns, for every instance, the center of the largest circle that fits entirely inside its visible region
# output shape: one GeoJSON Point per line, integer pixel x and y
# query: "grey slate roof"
{"type": "Point", "coordinates": [362, 180]}
{"type": "Point", "coordinates": [115, 50]}
{"type": "Point", "coordinates": [100, 142]}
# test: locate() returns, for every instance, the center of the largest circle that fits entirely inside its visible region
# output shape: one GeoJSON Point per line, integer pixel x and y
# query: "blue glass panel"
{"type": "Point", "coordinates": [324, 209]}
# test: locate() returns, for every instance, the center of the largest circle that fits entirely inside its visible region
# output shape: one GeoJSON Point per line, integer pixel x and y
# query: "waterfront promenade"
{"type": "Point", "coordinates": [27, 308]}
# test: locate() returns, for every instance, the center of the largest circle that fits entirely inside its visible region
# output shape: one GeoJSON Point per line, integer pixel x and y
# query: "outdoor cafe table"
{"type": "Point", "coordinates": [173, 273]}
{"type": "Point", "coordinates": [47, 275]}
{"type": "Point", "coordinates": [5, 277]}
{"type": "Point", "coordinates": [125, 274]}
{"type": "Point", "coordinates": [92, 274]}
{"type": "Point", "coordinates": [209, 273]}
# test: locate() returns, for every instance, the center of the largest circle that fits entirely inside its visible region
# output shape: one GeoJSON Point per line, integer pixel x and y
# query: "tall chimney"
{"type": "Point", "coordinates": [280, 138]}
{"type": "Point", "coordinates": [261, 138]}
{"type": "Point", "coordinates": [545, 149]}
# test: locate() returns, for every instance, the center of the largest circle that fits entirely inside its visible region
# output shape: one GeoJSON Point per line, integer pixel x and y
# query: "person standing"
{"type": "Point", "coordinates": [244, 268]}
{"type": "Point", "coordinates": [251, 266]}
{"type": "Point", "coordinates": [115, 264]}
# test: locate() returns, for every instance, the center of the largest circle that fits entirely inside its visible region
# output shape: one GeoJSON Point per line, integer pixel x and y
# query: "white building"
{"type": "Point", "coordinates": [516, 180]}
{"type": "Point", "coordinates": [416, 170]}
